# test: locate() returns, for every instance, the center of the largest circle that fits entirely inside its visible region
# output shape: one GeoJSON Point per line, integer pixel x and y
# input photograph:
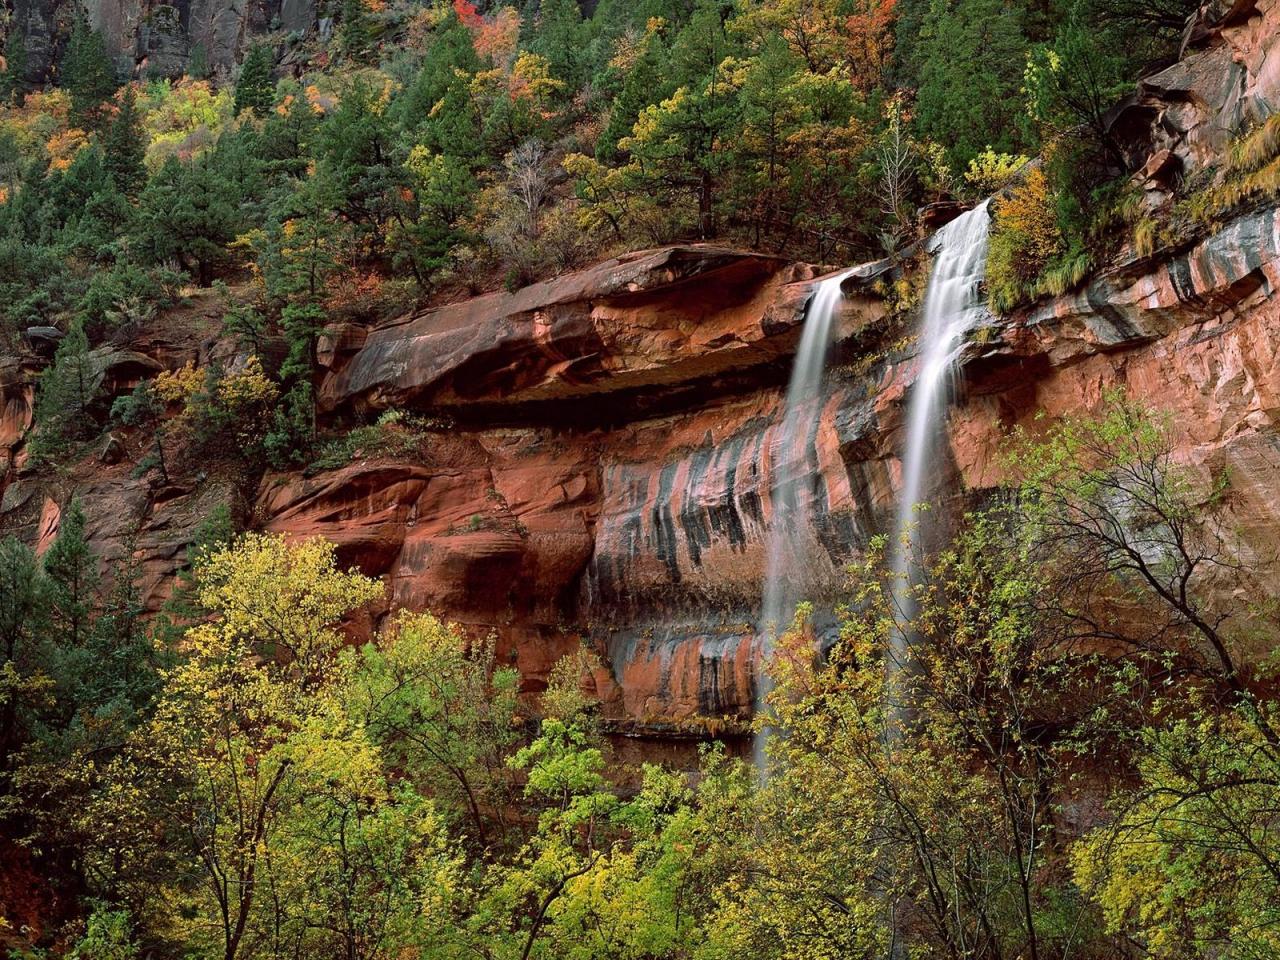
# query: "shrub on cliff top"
{"type": "Point", "coordinates": [1025, 237]}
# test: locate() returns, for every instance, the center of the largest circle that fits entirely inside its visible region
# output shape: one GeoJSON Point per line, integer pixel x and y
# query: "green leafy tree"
{"type": "Point", "coordinates": [1189, 867]}
{"type": "Point", "coordinates": [224, 760]}
{"type": "Point", "coordinates": [108, 935]}
{"type": "Point", "coordinates": [1073, 82]}
{"type": "Point", "coordinates": [969, 58]}
{"type": "Point", "coordinates": [445, 712]}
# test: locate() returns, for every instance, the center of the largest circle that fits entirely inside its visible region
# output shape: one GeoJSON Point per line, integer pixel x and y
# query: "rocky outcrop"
{"type": "Point", "coordinates": [607, 477]}
{"type": "Point", "coordinates": [652, 321]}
{"type": "Point", "coordinates": [607, 443]}
{"type": "Point", "coordinates": [151, 38]}
{"type": "Point", "coordinates": [1181, 120]}
{"type": "Point", "coordinates": [609, 480]}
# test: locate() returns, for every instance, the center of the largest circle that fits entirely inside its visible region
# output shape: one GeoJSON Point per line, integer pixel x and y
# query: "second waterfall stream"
{"type": "Point", "coordinates": [952, 306]}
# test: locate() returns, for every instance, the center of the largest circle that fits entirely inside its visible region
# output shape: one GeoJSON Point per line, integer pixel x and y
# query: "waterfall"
{"type": "Point", "coordinates": [952, 306]}
{"type": "Point", "coordinates": [788, 520]}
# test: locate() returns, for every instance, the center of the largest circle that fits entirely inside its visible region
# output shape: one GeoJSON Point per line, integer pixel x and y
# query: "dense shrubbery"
{"type": "Point", "coordinates": [392, 435]}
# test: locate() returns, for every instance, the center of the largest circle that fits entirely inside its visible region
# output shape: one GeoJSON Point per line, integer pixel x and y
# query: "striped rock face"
{"type": "Point", "coordinates": [609, 477]}
{"type": "Point", "coordinates": [631, 515]}
{"type": "Point", "coordinates": [607, 480]}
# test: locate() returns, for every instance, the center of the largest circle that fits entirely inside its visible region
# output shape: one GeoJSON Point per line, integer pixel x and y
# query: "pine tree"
{"type": "Point", "coordinates": [189, 212]}
{"type": "Point", "coordinates": [23, 615]}
{"type": "Point", "coordinates": [255, 89]}
{"type": "Point", "coordinates": [357, 31]}
{"type": "Point", "coordinates": [72, 571]}
{"type": "Point", "coordinates": [66, 391]}
{"type": "Point", "coordinates": [87, 73]}
{"type": "Point", "coordinates": [970, 58]}
{"type": "Point", "coordinates": [198, 63]}
{"type": "Point", "coordinates": [13, 77]}
{"type": "Point", "coordinates": [560, 37]}
{"type": "Point", "coordinates": [647, 82]}
{"type": "Point", "coordinates": [123, 148]}
{"type": "Point", "coordinates": [449, 63]}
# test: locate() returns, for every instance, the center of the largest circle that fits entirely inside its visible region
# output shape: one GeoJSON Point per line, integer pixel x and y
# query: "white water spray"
{"type": "Point", "coordinates": [789, 520]}
{"type": "Point", "coordinates": [952, 307]}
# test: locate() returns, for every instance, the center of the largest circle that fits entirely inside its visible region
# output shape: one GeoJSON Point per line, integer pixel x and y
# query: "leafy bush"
{"type": "Point", "coordinates": [990, 171]}
{"type": "Point", "coordinates": [393, 434]}
{"type": "Point", "coordinates": [1025, 237]}
{"type": "Point", "coordinates": [125, 295]}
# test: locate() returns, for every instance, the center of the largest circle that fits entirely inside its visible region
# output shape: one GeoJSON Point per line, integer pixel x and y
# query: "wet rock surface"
{"type": "Point", "coordinates": [603, 475]}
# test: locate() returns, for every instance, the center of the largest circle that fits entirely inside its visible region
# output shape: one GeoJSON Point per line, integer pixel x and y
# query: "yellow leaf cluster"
{"type": "Point", "coordinates": [1028, 211]}
{"type": "Point", "coordinates": [284, 595]}
{"type": "Point", "coordinates": [179, 386]}
{"type": "Point", "coordinates": [247, 388]}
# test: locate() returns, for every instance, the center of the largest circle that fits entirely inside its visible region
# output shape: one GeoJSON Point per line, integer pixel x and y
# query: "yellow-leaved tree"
{"type": "Point", "coordinates": [278, 827]}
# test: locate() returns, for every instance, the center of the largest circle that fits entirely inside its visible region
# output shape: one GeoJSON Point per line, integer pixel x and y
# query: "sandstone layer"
{"type": "Point", "coordinates": [605, 478]}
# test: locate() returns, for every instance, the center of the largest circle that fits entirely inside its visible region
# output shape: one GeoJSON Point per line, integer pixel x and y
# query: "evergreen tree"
{"type": "Point", "coordinates": [65, 393]}
{"type": "Point", "coordinates": [647, 82]}
{"type": "Point", "coordinates": [71, 568]}
{"type": "Point", "coordinates": [297, 255]}
{"type": "Point", "coordinates": [560, 37]}
{"type": "Point", "coordinates": [189, 212]}
{"type": "Point", "coordinates": [681, 146]}
{"type": "Point", "coordinates": [255, 88]}
{"type": "Point", "coordinates": [1073, 83]}
{"type": "Point", "coordinates": [13, 77]}
{"type": "Point", "coordinates": [284, 145]}
{"type": "Point", "coordinates": [122, 147]}
{"type": "Point", "coordinates": [969, 58]}
{"type": "Point", "coordinates": [198, 63]}
{"type": "Point", "coordinates": [122, 662]}
{"type": "Point", "coordinates": [87, 73]}
{"type": "Point", "coordinates": [357, 30]}
{"type": "Point", "coordinates": [447, 67]}
{"type": "Point", "coordinates": [23, 613]}
{"type": "Point", "coordinates": [355, 163]}
{"type": "Point", "coordinates": [444, 190]}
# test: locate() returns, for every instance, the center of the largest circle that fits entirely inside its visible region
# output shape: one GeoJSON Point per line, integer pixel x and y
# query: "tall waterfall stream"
{"type": "Point", "coordinates": [952, 306]}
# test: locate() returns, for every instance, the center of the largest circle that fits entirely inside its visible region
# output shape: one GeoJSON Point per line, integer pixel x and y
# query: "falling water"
{"type": "Point", "coordinates": [952, 306]}
{"type": "Point", "coordinates": [789, 514]}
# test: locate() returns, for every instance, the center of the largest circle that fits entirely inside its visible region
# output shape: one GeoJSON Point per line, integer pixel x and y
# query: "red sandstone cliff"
{"type": "Point", "coordinates": [607, 477]}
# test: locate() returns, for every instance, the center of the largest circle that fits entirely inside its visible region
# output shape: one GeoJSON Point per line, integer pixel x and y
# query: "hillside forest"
{"type": "Point", "coordinates": [1080, 756]}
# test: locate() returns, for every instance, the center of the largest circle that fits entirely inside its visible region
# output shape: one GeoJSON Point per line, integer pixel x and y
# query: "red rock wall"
{"type": "Point", "coordinates": [608, 478]}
